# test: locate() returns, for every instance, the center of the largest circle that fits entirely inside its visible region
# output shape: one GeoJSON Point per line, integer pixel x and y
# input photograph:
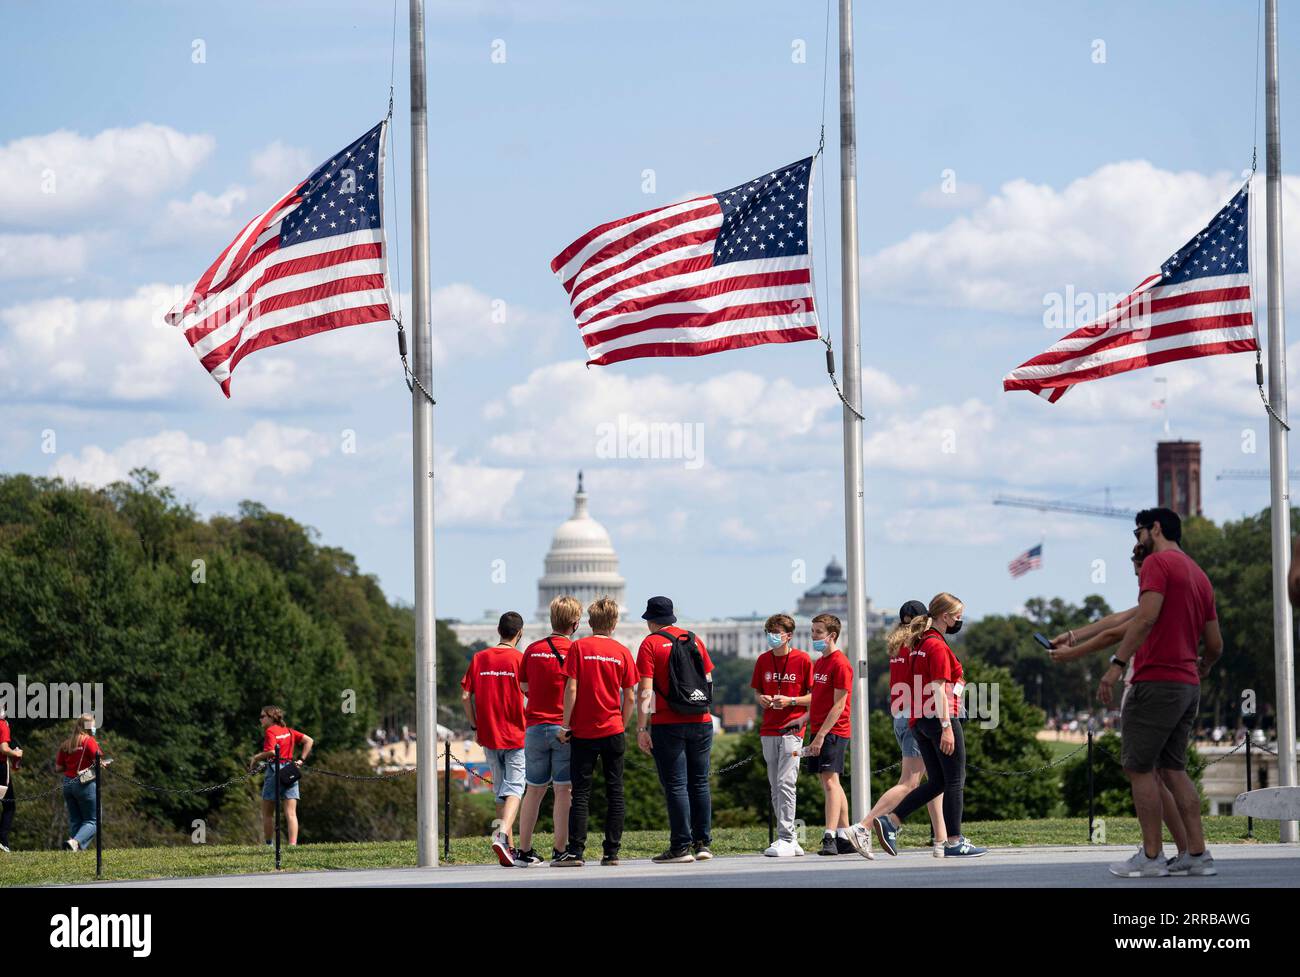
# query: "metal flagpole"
{"type": "Point", "coordinates": [1279, 496]}
{"type": "Point", "coordinates": [426, 690]}
{"type": "Point", "coordinates": [851, 341]}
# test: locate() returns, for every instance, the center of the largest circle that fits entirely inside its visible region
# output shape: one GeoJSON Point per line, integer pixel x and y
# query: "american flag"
{"type": "Point", "coordinates": [311, 262]}
{"type": "Point", "coordinates": [715, 272]}
{"type": "Point", "coordinates": [1030, 559]}
{"type": "Point", "coordinates": [1198, 305]}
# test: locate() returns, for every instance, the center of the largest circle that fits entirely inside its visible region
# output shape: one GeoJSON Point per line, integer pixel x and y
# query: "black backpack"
{"type": "Point", "coordinates": [689, 690]}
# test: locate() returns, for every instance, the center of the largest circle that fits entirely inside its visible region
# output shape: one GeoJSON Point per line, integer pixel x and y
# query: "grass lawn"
{"type": "Point", "coordinates": [52, 867]}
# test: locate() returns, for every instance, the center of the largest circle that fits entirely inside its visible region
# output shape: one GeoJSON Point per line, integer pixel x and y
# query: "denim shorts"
{"type": "Point", "coordinates": [268, 787]}
{"type": "Point", "coordinates": [906, 738]}
{"type": "Point", "coordinates": [546, 759]}
{"type": "Point", "coordinates": [507, 772]}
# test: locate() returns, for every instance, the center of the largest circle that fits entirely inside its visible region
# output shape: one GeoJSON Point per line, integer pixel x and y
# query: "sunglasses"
{"type": "Point", "coordinates": [1137, 533]}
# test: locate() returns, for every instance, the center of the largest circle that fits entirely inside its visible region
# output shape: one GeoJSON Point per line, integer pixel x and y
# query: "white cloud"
{"type": "Point", "coordinates": [63, 175]}
{"type": "Point", "coordinates": [41, 255]}
{"type": "Point", "coordinates": [119, 349]}
{"type": "Point", "coordinates": [1104, 231]}
{"type": "Point", "coordinates": [222, 471]}
{"type": "Point", "coordinates": [466, 493]}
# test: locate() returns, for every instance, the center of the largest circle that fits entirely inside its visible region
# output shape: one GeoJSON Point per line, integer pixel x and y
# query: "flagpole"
{"type": "Point", "coordinates": [426, 688]}
{"type": "Point", "coordinates": [1279, 495]}
{"type": "Point", "coordinates": [854, 490]}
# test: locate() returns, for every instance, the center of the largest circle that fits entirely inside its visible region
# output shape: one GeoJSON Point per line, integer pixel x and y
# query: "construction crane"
{"type": "Point", "coordinates": [1248, 473]}
{"type": "Point", "coordinates": [1060, 505]}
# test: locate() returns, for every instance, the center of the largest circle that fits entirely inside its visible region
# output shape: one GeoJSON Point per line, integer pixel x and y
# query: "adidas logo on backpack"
{"type": "Point", "coordinates": [689, 690]}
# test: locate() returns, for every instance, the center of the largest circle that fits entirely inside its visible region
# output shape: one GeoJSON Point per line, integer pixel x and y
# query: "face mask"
{"type": "Point", "coordinates": [955, 627]}
{"type": "Point", "coordinates": [774, 640]}
{"type": "Point", "coordinates": [90, 730]}
{"type": "Point", "coordinates": [819, 644]}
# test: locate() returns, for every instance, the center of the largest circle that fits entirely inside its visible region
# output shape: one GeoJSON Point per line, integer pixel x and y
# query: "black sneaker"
{"type": "Point", "coordinates": [828, 845]}
{"type": "Point", "coordinates": [674, 856]}
{"type": "Point", "coordinates": [527, 859]}
{"type": "Point", "coordinates": [556, 854]}
{"type": "Point", "coordinates": [701, 850]}
{"type": "Point", "coordinates": [844, 846]}
{"type": "Point", "coordinates": [568, 860]}
{"type": "Point", "coordinates": [609, 860]}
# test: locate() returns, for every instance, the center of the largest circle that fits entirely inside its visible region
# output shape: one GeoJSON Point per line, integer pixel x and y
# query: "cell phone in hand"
{"type": "Point", "coordinates": [1042, 640]}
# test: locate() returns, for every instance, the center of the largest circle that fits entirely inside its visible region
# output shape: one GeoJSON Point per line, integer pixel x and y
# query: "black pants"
{"type": "Point", "coordinates": [582, 766]}
{"type": "Point", "coordinates": [6, 807]}
{"type": "Point", "coordinates": [945, 774]}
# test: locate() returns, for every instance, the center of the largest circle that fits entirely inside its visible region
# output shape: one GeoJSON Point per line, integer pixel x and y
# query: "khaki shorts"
{"type": "Point", "coordinates": [1155, 724]}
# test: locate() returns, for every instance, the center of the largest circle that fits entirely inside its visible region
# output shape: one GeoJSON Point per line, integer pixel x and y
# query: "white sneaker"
{"type": "Point", "coordinates": [938, 850]}
{"type": "Point", "coordinates": [797, 849]}
{"type": "Point", "coordinates": [783, 849]}
{"type": "Point", "coordinates": [4, 848]}
{"type": "Point", "coordinates": [1141, 867]}
{"type": "Point", "coordinates": [71, 844]}
{"type": "Point", "coordinates": [860, 839]}
{"type": "Point", "coordinates": [1185, 864]}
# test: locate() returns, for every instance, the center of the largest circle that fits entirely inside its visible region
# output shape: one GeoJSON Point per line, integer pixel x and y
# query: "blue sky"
{"type": "Point", "coordinates": [1085, 143]}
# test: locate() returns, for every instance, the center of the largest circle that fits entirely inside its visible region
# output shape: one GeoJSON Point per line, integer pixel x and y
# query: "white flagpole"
{"type": "Point", "coordinates": [854, 490]}
{"type": "Point", "coordinates": [426, 687]}
{"type": "Point", "coordinates": [1279, 495]}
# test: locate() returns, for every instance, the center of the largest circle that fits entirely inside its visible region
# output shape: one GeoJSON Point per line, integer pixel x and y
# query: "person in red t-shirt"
{"type": "Point", "coordinates": [1175, 613]}
{"type": "Point", "coordinates": [901, 694]}
{"type": "Point", "coordinates": [9, 757]}
{"type": "Point", "coordinates": [937, 680]}
{"type": "Point", "coordinates": [782, 684]}
{"type": "Point", "coordinates": [830, 722]}
{"type": "Point", "coordinates": [494, 706]}
{"type": "Point", "coordinates": [279, 738]}
{"type": "Point", "coordinates": [546, 759]}
{"type": "Point", "coordinates": [678, 734]}
{"type": "Point", "coordinates": [598, 702]}
{"type": "Point", "coordinates": [76, 755]}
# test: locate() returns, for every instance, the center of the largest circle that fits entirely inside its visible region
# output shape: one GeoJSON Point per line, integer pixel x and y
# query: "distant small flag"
{"type": "Point", "coordinates": [1198, 305]}
{"type": "Point", "coordinates": [312, 262]}
{"type": "Point", "coordinates": [1030, 559]}
{"type": "Point", "coordinates": [721, 271]}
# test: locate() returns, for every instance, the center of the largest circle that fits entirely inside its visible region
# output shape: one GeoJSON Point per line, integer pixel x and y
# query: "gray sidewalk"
{"type": "Point", "coordinates": [1240, 866]}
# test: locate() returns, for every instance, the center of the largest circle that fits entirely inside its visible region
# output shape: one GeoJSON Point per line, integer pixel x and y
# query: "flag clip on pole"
{"type": "Point", "coordinates": [1279, 490]}
{"type": "Point", "coordinates": [426, 695]}
{"type": "Point", "coordinates": [854, 488]}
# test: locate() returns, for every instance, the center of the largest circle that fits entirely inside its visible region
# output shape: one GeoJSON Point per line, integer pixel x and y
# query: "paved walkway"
{"type": "Point", "coordinates": [1252, 866]}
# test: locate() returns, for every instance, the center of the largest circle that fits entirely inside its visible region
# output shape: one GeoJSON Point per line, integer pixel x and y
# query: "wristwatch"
{"type": "Point", "coordinates": [643, 729]}
{"type": "Point", "coordinates": [946, 723]}
{"type": "Point", "coordinates": [1116, 660]}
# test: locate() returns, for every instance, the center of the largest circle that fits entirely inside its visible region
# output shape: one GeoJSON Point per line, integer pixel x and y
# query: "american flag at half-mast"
{"type": "Point", "coordinates": [1198, 305]}
{"type": "Point", "coordinates": [1030, 559]}
{"type": "Point", "coordinates": [721, 271]}
{"type": "Point", "coordinates": [313, 261]}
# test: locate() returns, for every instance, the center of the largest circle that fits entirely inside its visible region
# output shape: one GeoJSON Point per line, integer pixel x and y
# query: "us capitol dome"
{"type": "Point", "coordinates": [580, 562]}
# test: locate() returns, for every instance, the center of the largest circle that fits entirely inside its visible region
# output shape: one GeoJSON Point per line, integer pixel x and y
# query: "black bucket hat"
{"type": "Point", "coordinates": [659, 609]}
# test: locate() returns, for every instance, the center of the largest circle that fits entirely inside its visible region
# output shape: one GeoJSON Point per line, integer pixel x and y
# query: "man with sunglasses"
{"type": "Point", "coordinates": [1175, 613]}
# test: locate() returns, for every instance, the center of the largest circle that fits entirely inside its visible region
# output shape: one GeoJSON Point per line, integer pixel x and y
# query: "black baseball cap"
{"type": "Point", "coordinates": [659, 609]}
{"type": "Point", "coordinates": [913, 608]}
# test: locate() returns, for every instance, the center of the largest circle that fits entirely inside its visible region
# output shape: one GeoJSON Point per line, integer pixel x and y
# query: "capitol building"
{"type": "Point", "coordinates": [582, 562]}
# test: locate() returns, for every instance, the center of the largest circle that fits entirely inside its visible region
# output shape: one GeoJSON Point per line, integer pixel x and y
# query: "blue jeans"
{"type": "Point", "coordinates": [80, 799]}
{"type": "Point", "coordinates": [681, 752]}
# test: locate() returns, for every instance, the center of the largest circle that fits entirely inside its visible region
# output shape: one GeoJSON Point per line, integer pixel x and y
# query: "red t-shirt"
{"type": "Point", "coordinates": [1169, 652]}
{"type": "Point", "coordinates": [287, 738]}
{"type": "Point", "coordinates": [79, 759]}
{"type": "Point", "coordinates": [652, 663]}
{"type": "Point", "coordinates": [544, 676]}
{"type": "Point", "coordinates": [831, 672]}
{"type": "Point", "coordinates": [790, 674]}
{"type": "Point", "coordinates": [493, 681]}
{"type": "Point", "coordinates": [933, 661]}
{"type": "Point", "coordinates": [900, 682]}
{"type": "Point", "coordinates": [603, 668]}
{"type": "Point", "coordinates": [4, 731]}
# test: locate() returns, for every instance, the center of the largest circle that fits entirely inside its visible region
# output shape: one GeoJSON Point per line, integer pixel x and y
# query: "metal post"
{"type": "Point", "coordinates": [1091, 808]}
{"type": "Point", "coordinates": [851, 351]}
{"type": "Point", "coordinates": [1250, 822]}
{"type": "Point", "coordinates": [1279, 495]}
{"type": "Point", "coordinates": [446, 801]}
{"type": "Point", "coordinates": [278, 791]}
{"type": "Point", "coordinates": [99, 819]}
{"type": "Point", "coordinates": [426, 691]}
